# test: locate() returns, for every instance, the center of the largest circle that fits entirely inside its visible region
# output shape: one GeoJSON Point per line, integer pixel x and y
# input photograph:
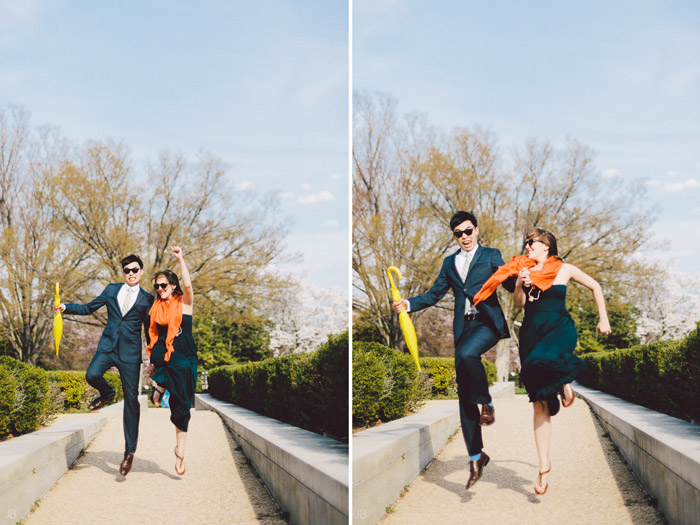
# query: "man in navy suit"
{"type": "Point", "coordinates": [120, 346]}
{"type": "Point", "coordinates": [475, 330]}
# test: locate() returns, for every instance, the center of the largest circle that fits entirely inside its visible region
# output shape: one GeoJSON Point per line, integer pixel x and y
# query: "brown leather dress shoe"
{"type": "Point", "coordinates": [477, 468]}
{"type": "Point", "coordinates": [99, 402]}
{"type": "Point", "coordinates": [488, 415]}
{"type": "Point", "coordinates": [125, 467]}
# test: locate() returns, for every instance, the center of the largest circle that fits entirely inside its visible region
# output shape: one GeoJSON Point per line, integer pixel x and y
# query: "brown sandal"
{"type": "Point", "coordinates": [546, 486]}
{"type": "Point", "coordinates": [157, 396]}
{"type": "Point", "coordinates": [566, 402]}
{"type": "Point", "coordinates": [181, 458]}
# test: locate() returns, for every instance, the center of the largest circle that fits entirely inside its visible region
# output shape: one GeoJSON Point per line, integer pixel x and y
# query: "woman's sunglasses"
{"type": "Point", "coordinates": [161, 286]}
{"type": "Point", "coordinates": [533, 241]}
{"type": "Point", "coordinates": [127, 271]}
{"type": "Point", "coordinates": [459, 233]}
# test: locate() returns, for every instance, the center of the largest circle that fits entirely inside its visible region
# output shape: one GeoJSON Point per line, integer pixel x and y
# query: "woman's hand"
{"type": "Point", "coordinates": [604, 326]}
{"type": "Point", "coordinates": [177, 252]}
{"type": "Point", "coordinates": [58, 309]}
{"type": "Point", "coordinates": [524, 277]}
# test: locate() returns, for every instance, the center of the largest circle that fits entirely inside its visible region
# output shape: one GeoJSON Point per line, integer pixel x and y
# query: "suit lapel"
{"type": "Point", "coordinates": [451, 267]}
{"type": "Point", "coordinates": [479, 252]}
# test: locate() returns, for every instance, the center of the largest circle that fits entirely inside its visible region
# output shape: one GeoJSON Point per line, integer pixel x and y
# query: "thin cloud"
{"type": "Point", "coordinates": [652, 182]}
{"type": "Point", "coordinates": [687, 184]}
{"type": "Point", "coordinates": [307, 187]}
{"type": "Point", "coordinates": [333, 223]}
{"type": "Point", "coordinates": [318, 197]}
{"type": "Point", "coordinates": [696, 211]}
{"type": "Point", "coordinates": [611, 174]}
{"type": "Point", "coordinates": [337, 176]}
{"type": "Point", "coordinates": [245, 186]}
{"type": "Point", "coordinates": [672, 174]}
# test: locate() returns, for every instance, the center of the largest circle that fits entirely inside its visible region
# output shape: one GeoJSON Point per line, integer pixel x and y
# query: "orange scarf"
{"type": "Point", "coordinates": [542, 279]}
{"type": "Point", "coordinates": [165, 313]}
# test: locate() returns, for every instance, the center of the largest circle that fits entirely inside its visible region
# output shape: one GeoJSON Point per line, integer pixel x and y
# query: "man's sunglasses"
{"type": "Point", "coordinates": [127, 271]}
{"type": "Point", "coordinates": [459, 233]}
{"type": "Point", "coordinates": [161, 286]}
{"type": "Point", "coordinates": [533, 241]}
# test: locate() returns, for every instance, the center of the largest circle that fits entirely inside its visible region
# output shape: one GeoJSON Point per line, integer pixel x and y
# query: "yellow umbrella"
{"type": "Point", "coordinates": [57, 322]}
{"type": "Point", "coordinates": [409, 333]}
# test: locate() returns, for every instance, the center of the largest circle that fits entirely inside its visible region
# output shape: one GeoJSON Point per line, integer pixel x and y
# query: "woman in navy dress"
{"type": "Point", "coordinates": [172, 350]}
{"type": "Point", "coordinates": [548, 338]}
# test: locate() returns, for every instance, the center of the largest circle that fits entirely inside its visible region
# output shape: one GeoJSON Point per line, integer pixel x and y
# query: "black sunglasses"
{"type": "Point", "coordinates": [533, 241]}
{"type": "Point", "coordinates": [127, 271]}
{"type": "Point", "coordinates": [161, 286]}
{"type": "Point", "coordinates": [459, 233]}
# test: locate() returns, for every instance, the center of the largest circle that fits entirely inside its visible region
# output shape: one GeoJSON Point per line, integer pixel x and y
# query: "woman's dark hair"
{"type": "Point", "coordinates": [461, 216]}
{"type": "Point", "coordinates": [131, 258]}
{"type": "Point", "coordinates": [172, 279]}
{"type": "Point", "coordinates": [546, 237]}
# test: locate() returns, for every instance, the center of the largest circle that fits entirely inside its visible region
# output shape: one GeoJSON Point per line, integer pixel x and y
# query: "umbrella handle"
{"type": "Point", "coordinates": [395, 295]}
{"type": "Point", "coordinates": [57, 299]}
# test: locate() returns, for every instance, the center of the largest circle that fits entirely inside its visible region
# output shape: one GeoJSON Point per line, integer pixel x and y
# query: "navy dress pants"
{"type": "Point", "coordinates": [472, 384]}
{"type": "Point", "coordinates": [129, 374]}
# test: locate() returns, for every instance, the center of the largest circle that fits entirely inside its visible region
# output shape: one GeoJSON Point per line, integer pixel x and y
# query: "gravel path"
{"type": "Point", "coordinates": [589, 482]}
{"type": "Point", "coordinates": [219, 486]}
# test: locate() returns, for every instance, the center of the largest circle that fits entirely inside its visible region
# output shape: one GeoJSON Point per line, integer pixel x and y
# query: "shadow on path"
{"type": "Point", "coordinates": [496, 472]}
{"type": "Point", "coordinates": [252, 483]}
{"type": "Point", "coordinates": [109, 463]}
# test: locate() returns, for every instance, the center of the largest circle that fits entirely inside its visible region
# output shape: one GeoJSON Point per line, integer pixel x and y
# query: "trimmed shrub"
{"type": "Point", "coordinates": [397, 391]}
{"type": "Point", "coordinates": [663, 376]}
{"type": "Point", "coordinates": [441, 371]}
{"type": "Point", "coordinates": [75, 391]}
{"type": "Point", "coordinates": [443, 378]}
{"type": "Point", "coordinates": [31, 396]}
{"type": "Point", "coordinates": [305, 390]}
{"type": "Point", "coordinates": [8, 394]}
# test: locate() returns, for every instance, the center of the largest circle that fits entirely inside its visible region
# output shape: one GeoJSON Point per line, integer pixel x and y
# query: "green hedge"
{"type": "Point", "coordinates": [662, 376]}
{"type": "Point", "coordinates": [24, 397]}
{"type": "Point", "coordinates": [75, 392]}
{"type": "Point", "coordinates": [306, 390]}
{"type": "Point", "coordinates": [387, 386]}
{"type": "Point", "coordinates": [443, 379]}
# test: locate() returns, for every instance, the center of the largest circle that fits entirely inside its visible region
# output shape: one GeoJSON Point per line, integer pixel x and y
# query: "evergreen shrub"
{"type": "Point", "coordinates": [663, 376]}
{"type": "Point", "coordinates": [306, 390]}
{"type": "Point", "coordinates": [27, 404]}
{"type": "Point", "coordinates": [76, 393]}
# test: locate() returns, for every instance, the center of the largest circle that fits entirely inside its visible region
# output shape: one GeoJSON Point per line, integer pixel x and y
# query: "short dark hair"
{"type": "Point", "coordinates": [461, 216]}
{"type": "Point", "coordinates": [131, 258]}
{"type": "Point", "coordinates": [546, 237]}
{"type": "Point", "coordinates": [172, 279]}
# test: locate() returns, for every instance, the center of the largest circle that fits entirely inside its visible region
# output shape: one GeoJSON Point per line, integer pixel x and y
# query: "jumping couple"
{"type": "Point", "coordinates": [167, 322]}
{"type": "Point", "coordinates": [547, 335]}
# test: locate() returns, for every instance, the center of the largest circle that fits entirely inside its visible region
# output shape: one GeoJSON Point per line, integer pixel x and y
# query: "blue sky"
{"type": "Point", "coordinates": [622, 77]}
{"type": "Point", "coordinates": [262, 85]}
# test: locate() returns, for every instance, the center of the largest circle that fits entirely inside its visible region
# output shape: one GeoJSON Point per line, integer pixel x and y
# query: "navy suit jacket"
{"type": "Point", "coordinates": [121, 333]}
{"type": "Point", "coordinates": [484, 263]}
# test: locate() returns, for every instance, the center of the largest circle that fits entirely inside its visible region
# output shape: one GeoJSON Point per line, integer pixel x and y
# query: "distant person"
{"type": "Point", "coordinates": [173, 351]}
{"type": "Point", "coordinates": [120, 346]}
{"type": "Point", "coordinates": [465, 271]}
{"type": "Point", "coordinates": [548, 334]}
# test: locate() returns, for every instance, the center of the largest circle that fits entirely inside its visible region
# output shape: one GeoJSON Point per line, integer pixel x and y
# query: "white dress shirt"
{"type": "Point", "coordinates": [127, 297]}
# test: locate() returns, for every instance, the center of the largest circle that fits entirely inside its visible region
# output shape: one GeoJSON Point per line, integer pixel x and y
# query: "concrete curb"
{"type": "Point", "coordinates": [306, 473]}
{"type": "Point", "coordinates": [31, 464]}
{"type": "Point", "coordinates": [663, 451]}
{"type": "Point", "coordinates": [387, 458]}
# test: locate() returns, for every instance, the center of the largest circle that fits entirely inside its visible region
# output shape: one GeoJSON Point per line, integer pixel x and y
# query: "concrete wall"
{"type": "Point", "coordinates": [31, 464]}
{"type": "Point", "coordinates": [307, 474]}
{"type": "Point", "coordinates": [387, 458]}
{"type": "Point", "coordinates": [663, 451]}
